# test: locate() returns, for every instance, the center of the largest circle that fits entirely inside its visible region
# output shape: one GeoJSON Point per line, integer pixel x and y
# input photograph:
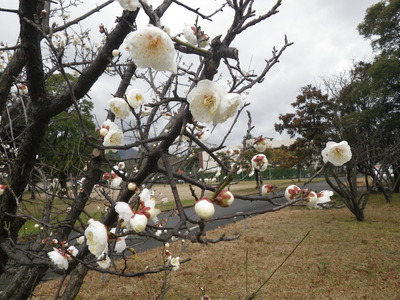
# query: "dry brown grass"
{"type": "Point", "coordinates": [340, 259]}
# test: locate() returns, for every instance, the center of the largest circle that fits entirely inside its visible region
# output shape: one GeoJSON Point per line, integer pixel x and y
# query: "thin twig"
{"type": "Point", "coordinates": [253, 295]}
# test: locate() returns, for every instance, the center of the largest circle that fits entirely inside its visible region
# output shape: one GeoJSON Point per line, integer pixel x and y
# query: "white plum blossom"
{"type": "Point", "coordinates": [149, 205]}
{"type": "Point", "coordinates": [96, 237]}
{"type": "Point", "coordinates": [204, 135]}
{"type": "Point", "coordinates": [59, 258]}
{"type": "Point", "coordinates": [121, 165]}
{"type": "Point", "coordinates": [124, 211]}
{"type": "Point", "coordinates": [224, 198]}
{"type": "Point", "coordinates": [113, 138]}
{"type": "Point", "coordinates": [135, 98]}
{"type": "Point", "coordinates": [189, 32]}
{"type": "Point", "coordinates": [73, 250]}
{"type": "Point", "coordinates": [259, 162]}
{"type": "Point", "coordinates": [119, 107]}
{"type": "Point", "coordinates": [204, 208]}
{"type": "Point", "coordinates": [115, 181]}
{"type": "Point", "coordinates": [104, 261]}
{"type": "Point", "coordinates": [293, 192]}
{"type": "Point", "coordinates": [131, 5]}
{"type": "Point", "coordinates": [229, 106]}
{"type": "Point", "coordinates": [120, 244]}
{"type": "Point", "coordinates": [152, 47]}
{"type": "Point", "coordinates": [209, 102]}
{"type": "Point", "coordinates": [175, 263]}
{"type": "Point", "coordinates": [138, 222]}
{"type": "Point", "coordinates": [336, 153]}
{"type": "Point", "coordinates": [324, 197]}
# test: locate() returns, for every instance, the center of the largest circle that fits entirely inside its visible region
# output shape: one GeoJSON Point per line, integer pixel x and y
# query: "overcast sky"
{"type": "Point", "coordinates": [325, 38]}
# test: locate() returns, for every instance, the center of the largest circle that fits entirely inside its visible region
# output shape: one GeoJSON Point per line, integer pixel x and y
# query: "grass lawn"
{"type": "Point", "coordinates": [339, 259]}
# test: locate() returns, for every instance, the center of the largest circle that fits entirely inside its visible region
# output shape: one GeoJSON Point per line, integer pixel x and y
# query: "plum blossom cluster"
{"type": "Point", "coordinates": [211, 103]}
{"type": "Point", "coordinates": [60, 255]}
{"type": "Point", "coordinates": [113, 179]}
{"type": "Point", "coordinates": [313, 199]}
{"type": "Point", "coordinates": [137, 219]}
{"type": "Point", "coordinates": [204, 207]}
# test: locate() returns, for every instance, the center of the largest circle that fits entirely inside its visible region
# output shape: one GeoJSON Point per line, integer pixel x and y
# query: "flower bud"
{"type": "Point", "coordinates": [115, 52]}
{"type": "Point", "coordinates": [138, 222]}
{"type": "Point", "coordinates": [267, 189]}
{"type": "Point", "coordinates": [103, 131]}
{"type": "Point", "coordinates": [132, 186]}
{"type": "Point", "coordinates": [224, 198]}
{"type": "Point", "coordinates": [293, 192]}
{"type": "Point", "coordinates": [311, 200]}
{"type": "Point", "coordinates": [204, 208]}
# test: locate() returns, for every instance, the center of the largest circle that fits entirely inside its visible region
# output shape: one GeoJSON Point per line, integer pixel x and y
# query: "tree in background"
{"type": "Point", "coordinates": [312, 124]}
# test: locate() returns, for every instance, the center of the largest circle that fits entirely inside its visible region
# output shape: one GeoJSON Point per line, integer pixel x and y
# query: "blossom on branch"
{"type": "Point", "coordinates": [324, 197]}
{"type": "Point", "coordinates": [124, 211]}
{"type": "Point", "coordinates": [138, 222]}
{"type": "Point", "coordinates": [260, 144]}
{"type": "Point", "coordinates": [209, 102]}
{"type": "Point", "coordinates": [175, 263]}
{"type": "Point", "coordinates": [293, 192]}
{"type": "Point", "coordinates": [189, 32]}
{"type": "Point", "coordinates": [96, 237]}
{"type": "Point", "coordinates": [119, 107]}
{"type": "Point", "coordinates": [120, 244]}
{"type": "Point", "coordinates": [113, 138]}
{"type": "Point", "coordinates": [259, 162]}
{"type": "Point", "coordinates": [267, 189]}
{"type": "Point", "coordinates": [224, 198]}
{"type": "Point", "coordinates": [204, 208]}
{"type": "Point", "coordinates": [152, 47]}
{"type": "Point", "coordinates": [59, 258]}
{"type": "Point", "coordinates": [130, 5]}
{"type": "Point", "coordinates": [135, 98]}
{"type": "Point", "coordinates": [311, 200]}
{"type": "Point", "coordinates": [336, 153]}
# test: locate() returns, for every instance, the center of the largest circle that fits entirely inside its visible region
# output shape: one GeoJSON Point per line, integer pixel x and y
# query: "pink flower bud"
{"type": "Point", "coordinates": [106, 176]}
{"type": "Point", "coordinates": [204, 208]}
{"type": "Point", "coordinates": [224, 198]}
{"type": "Point", "coordinates": [293, 192]}
{"type": "Point", "coordinates": [3, 188]}
{"type": "Point", "coordinates": [267, 189]}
